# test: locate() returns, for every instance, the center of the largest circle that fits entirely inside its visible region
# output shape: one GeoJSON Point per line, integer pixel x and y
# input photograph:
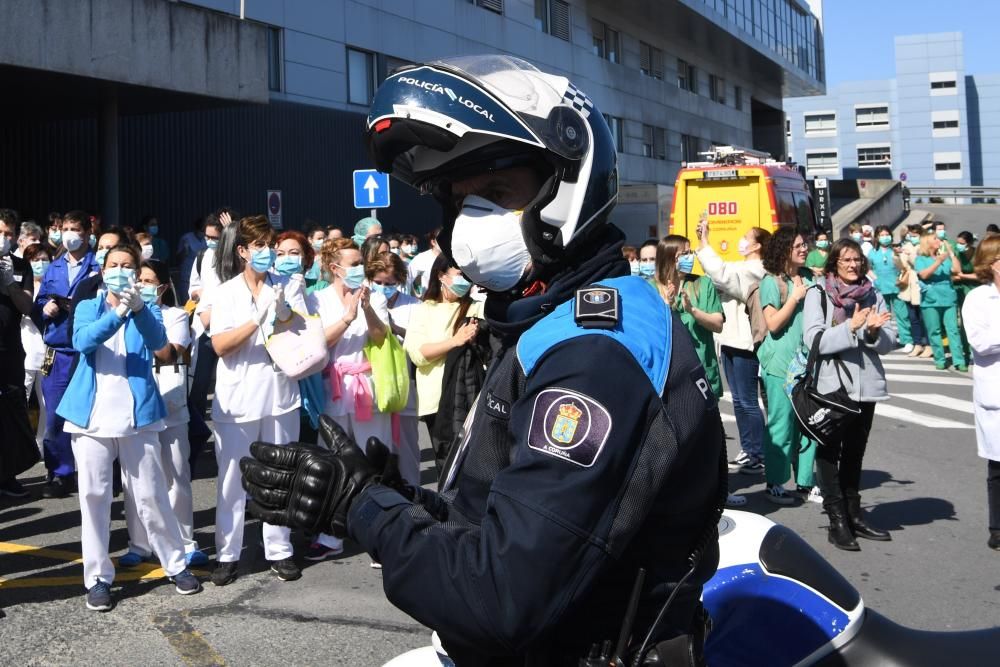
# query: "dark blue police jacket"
{"type": "Point", "coordinates": [590, 453]}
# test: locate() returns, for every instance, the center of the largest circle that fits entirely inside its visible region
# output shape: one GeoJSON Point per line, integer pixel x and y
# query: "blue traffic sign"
{"type": "Point", "coordinates": [371, 189]}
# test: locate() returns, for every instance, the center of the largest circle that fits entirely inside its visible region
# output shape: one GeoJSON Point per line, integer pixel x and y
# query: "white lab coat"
{"type": "Point", "coordinates": [981, 316]}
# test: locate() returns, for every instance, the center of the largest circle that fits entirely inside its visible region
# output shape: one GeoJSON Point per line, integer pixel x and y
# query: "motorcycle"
{"type": "Point", "coordinates": [775, 601]}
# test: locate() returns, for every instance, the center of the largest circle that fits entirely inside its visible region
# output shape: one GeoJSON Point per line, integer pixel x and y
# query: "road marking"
{"type": "Point", "coordinates": [141, 572]}
{"type": "Point", "coordinates": [189, 644]}
{"type": "Point", "coordinates": [940, 400]}
{"type": "Point", "coordinates": [922, 368]}
{"type": "Point", "coordinates": [916, 418]}
{"type": "Point", "coordinates": [942, 378]}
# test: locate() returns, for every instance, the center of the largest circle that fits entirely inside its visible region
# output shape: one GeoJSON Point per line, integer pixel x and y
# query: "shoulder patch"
{"type": "Point", "coordinates": [569, 425]}
{"type": "Point", "coordinates": [597, 307]}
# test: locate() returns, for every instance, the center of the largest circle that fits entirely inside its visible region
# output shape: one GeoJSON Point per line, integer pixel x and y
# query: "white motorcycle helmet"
{"type": "Point", "coordinates": [449, 119]}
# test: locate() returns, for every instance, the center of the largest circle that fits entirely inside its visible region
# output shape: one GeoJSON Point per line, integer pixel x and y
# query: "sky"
{"type": "Point", "coordinates": [859, 34]}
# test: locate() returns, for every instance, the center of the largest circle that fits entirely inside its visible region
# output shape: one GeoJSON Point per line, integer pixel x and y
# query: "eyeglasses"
{"type": "Point", "coordinates": [849, 260]}
{"type": "Point", "coordinates": [800, 246]}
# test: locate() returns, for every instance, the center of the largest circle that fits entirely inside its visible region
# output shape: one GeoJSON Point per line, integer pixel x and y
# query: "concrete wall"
{"type": "Point", "coordinates": [984, 130]}
{"type": "Point", "coordinates": [150, 43]}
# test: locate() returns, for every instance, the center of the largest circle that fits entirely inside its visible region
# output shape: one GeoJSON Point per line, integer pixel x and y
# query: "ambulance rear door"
{"type": "Point", "coordinates": [731, 198]}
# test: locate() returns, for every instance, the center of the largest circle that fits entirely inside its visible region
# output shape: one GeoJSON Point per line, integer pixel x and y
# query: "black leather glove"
{"type": "Point", "coordinates": [304, 486]}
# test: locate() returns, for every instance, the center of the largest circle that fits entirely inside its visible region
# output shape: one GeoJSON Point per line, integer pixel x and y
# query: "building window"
{"type": "Point", "coordinates": [492, 5]}
{"type": "Point", "coordinates": [948, 165]}
{"type": "Point", "coordinates": [944, 123]}
{"type": "Point", "coordinates": [617, 127]}
{"type": "Point", "coordinates": [606, 41]}
{"type": "Point", "coordinates": [552, 17]}
{"type": "Point", "coordinates": [717, 88]}
{"type": "Point", "coordinates": [274, 59]}
{"type": "Point", "coordinates": [650, 60]}
{"type": "Point", "coordinates": [941, 85]}
{"type": "Point", "coordinates": [689, 148]}
{"type": "Point", "coordinates": [738, 98]}
{"type": "Point", "coordinates": [687, 76]}
{"type": "Point", "coordinates": [822, 161]}
{"type": "Point", "coordinates": [654, 142]}
{"type": "Point", "coordinates": [820, 123]}
{"type": "Point", "coordinates": [874, 156]}
{"type": "Point", "coordinates": [871, 117]}
{"type": "Point", "coordinates": [361, 76]}
{"type": "Point", "coordinates": [788, 128]}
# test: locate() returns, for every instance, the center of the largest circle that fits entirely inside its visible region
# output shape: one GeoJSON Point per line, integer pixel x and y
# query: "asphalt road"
{"type": "Point", "coordinates": [922, 480]}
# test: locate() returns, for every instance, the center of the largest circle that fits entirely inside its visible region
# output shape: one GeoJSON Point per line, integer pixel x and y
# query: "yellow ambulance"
{"type": "Point", "coordinates": [737, 189]}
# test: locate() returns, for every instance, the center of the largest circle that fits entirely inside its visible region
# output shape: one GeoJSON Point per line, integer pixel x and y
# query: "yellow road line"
{"type": "Point", "coordinates": [27, 549]}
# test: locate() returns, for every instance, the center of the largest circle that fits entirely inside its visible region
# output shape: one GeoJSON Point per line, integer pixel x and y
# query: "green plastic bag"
{"type": "Point", "coordinates": [389, 374]}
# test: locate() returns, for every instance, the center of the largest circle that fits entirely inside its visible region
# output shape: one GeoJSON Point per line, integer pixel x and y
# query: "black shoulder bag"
{"type": "Point", "coordinates": [822, 417]}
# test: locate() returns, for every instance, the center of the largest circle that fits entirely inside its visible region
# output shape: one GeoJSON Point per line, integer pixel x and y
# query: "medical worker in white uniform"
{"type": "Point", "coordinates": [253, 399]}
{"type": "Point", "coordinates": [351, 315]}
{"type": "Point", "coordinates": [113, 408]}
{"type": "Point", "coordinates": [387, 276]}
{"type": "Point", "coordinates": [170, 368]}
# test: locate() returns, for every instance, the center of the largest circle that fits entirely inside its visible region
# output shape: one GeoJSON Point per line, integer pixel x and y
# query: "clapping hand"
{"type": "Point", "coordinates": [669, 292]}
{"type": "Point", "coordinates": [466, 333]}
{"type": "Point", "coordinates": [702, 229]}
{"type": "Point", "coordinates": [876, 321]}
{"type": "Point", "coordinates": [225, 218]}
{"type": "Point", "coordinates": [281, 308]}
{"type": "Point", "coordinates": [799, 288]}
{"type": "Point", "coordinates": [685, 302]}
{"type": "Point", "coordinates": [859, 318]}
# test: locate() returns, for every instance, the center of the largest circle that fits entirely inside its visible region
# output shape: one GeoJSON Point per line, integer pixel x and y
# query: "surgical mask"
{"type": "Point", "coordinates": [822, 245]}
{"type": "Point", "coordinates": [150, 293]}
{"type": "Point", "coordinates": [288, 265]}
{"type": "Point", "coordinates": [961, 247]}
{"type": "Point", "coordinates": [353, 276]}
{"type": "Point", "coordinates": [93, 241]}
{"type": "Point", "coordinates": [262, 259]}
{"type": "Point", "coordinates": [317, 245]}
{"type": "Point", "coordinates": [408, 249]}
{"type": "Point", "coordinates": [153, 229]}
{"type": "Point", "coordinates": [634, 268]}
{"type": "Point", "coordinates": [212, 243]}
{"type": "Point", "coordinates": [100, 255]}
{"type": "Point", "coordinates": [647, 269]}
{"type": "Point", "coordinates": [394, 251]}
{"type": "Point", "coordinates": [743, 247]}
{"type": "Point", "coordinates": [942, 234]}
{"type": "Point", "coordinates": [885, 241]}
{"type": "Point", "coordinates": [4, 244]}
{"type": "Point", "coordinates": [118, 279]}
{"type": "Point", "coordinates": [914, 240]}
{"type": "Point", "coordinates": [487, 244]}
{"type": "Point", "coordinates": [147, 251]}
{"type": "Point", "coordinates": [55, 237]}
{"type": "Point", "coordinates": [459, 286]}
{"type": "Point", "coordinates": [72, 240]}
{"type": "Point", "coordinates": [39, 265]}
{"type": "Point", "coordinates": [856, 237]}
{"type": "Point", "coordinates": [685, 263]}
{"type": "Point", "coordinates": [385, 290]}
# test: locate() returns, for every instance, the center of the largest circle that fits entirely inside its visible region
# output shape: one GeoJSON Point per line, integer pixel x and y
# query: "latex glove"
{"type": "Point", "coordinates": [307, 487]}
{"type": "Point", "coordinates": [265, 305]}
{"type": "Point", "coordinates": [126, 302]}
{"type": "Point", "coordinates": [281, 308]}
{"type": "Point", "coordinates": [6, 272]}
{"type": "Point", "coordinates": [136, 302]}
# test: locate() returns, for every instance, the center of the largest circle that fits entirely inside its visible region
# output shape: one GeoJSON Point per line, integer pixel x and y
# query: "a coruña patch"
{"type": "Point", "coordinates": [569, 426]}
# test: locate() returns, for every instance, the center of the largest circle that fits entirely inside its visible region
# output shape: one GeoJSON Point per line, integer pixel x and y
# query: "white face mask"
{"type": "Point", "coordinates": [147, 251]}
{"type": "Point", "coordinates": [487, 244]}
{"type": "Point", "coordinates": [72, 240]}
{"type": "Point", "coordinates": [743, 247]}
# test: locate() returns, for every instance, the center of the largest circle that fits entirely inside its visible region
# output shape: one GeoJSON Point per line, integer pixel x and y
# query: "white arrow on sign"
{"type": "Point", "coordinates": [371, 185]}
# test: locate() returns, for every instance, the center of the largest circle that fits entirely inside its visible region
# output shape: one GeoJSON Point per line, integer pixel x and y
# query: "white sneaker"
{"type": "Point", "coordinates": [815, 496]}
{"type": "Point", "coordinates": [777, 495]}
{"type": "Point", "coordinates": [906, 349]}
{"type": "Point", "coordinates": [735, 500]}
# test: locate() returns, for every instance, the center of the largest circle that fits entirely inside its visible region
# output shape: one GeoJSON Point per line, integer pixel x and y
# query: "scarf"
{"type": "Point", "coordinates": [845, 296]}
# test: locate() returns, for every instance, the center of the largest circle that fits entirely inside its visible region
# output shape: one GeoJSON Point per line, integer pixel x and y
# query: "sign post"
{"type": "Point", "coordinates": [821, 204]}
{"type": "Point", "coordinates": [274, 208]}
{"type": "Point", "coordinates": [371, 189]}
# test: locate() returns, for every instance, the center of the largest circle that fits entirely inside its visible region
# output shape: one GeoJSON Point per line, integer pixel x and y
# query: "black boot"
{"type": "Point", "coordinates": [994, 541]}
{"type": "Point", "coordinates": [840, 531]}
{"type": "Point", "coordinates": [861, 527]}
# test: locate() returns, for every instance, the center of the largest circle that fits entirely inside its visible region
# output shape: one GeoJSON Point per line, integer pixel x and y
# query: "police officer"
{"type": "Point", "coordinates": [594, 448]}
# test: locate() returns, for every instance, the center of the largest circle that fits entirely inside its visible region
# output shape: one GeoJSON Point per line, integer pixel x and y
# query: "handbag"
{"type": "Point", "coordinates": [390, 373]}
{"type": "Point", "coordinates": [172, 381]}
{"type": "Point", "coordinates": [822, 417]}
{"type": "Point", "coordinates": [298, 347]}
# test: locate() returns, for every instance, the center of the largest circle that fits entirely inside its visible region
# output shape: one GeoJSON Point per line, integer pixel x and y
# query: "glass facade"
{"type": "Point", "coordinates": [782, 25]}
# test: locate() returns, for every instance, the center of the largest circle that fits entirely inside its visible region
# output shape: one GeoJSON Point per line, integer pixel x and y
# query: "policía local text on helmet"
{"type": "Point", "coordinates": [438, 88]}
